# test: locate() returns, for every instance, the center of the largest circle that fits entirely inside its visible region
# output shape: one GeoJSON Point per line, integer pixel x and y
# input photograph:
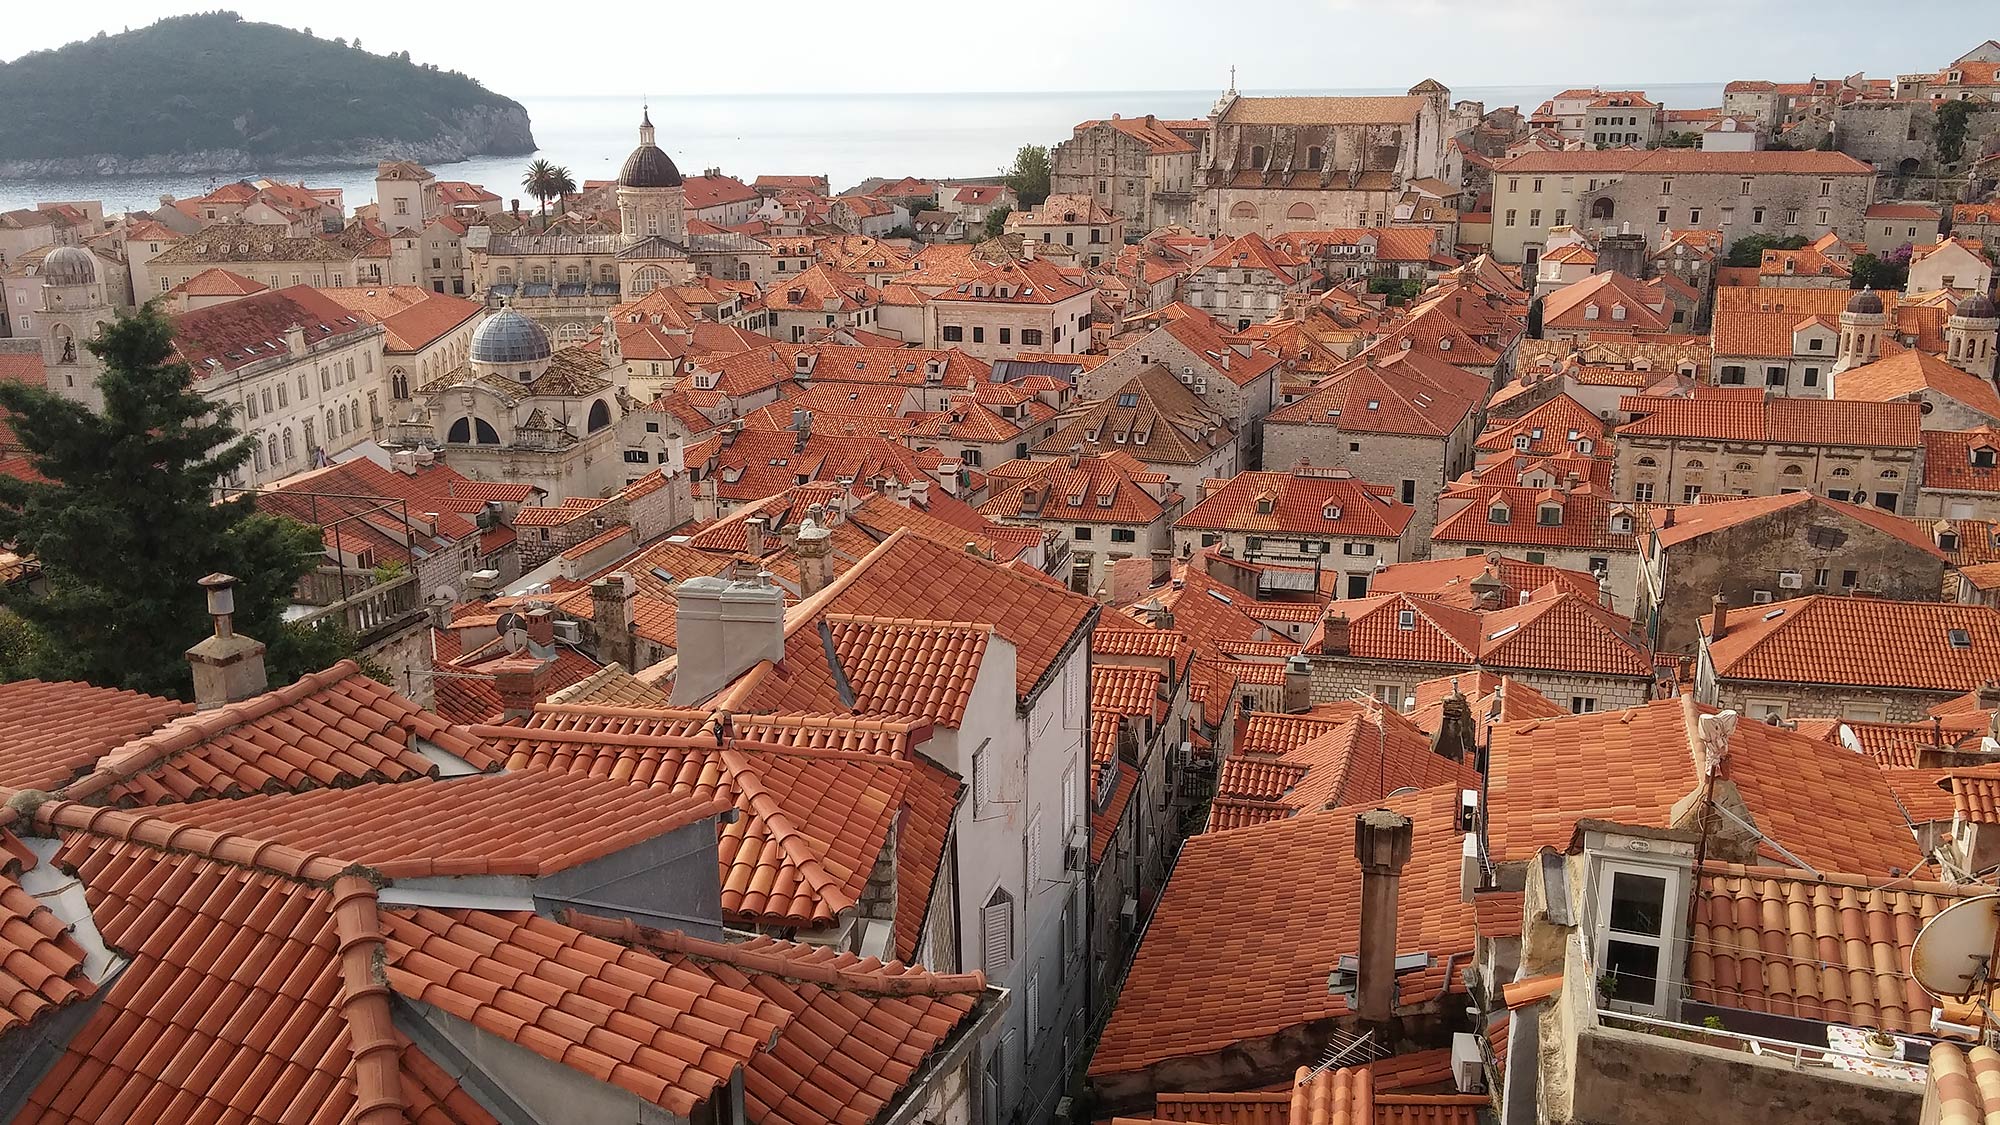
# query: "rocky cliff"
{"type": "Point", "coordinates": [212, 93]}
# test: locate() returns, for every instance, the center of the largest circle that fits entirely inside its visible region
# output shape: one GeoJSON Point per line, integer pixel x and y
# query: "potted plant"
{"type": "Point", "coordinates": [1880, 1044]}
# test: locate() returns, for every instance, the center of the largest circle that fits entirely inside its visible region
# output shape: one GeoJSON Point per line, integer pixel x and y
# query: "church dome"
{"type": "Point", "coordinates": [648, 166]}
{"type": "Point", "coordinates": [69, 265]}
{"type": "Point", "coordinates": [507, 337]}
{"type": "Point", "coordinates": [1977, 307]}
{"type": "Point", "coordinates": [1864, 301]}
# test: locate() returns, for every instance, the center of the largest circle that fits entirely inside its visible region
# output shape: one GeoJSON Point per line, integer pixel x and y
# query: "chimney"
{"type": "Point", "coordinates": [541, 628]}
{"type": "Point", "coordinates": [227, 666]}
{"type": "Point", "coordinates": [1989, 695]}
{"type": "Point", "coordinates": [1457, 736]}
{"type": "Point", "coordinates": [404, 461]}
{"type": "Point", "coordinates": [753, 536]}
{"type": "Point", "coordinates": [1297, 698]}
{"type": "Point", "coordinates": [295, 340]}
{"type": "Point", "coordinates": [522, 682]}
{"type": "Point", "coordinates": [802, 423]}
{"type": "Point", "coordinates": [812, 550]}
{"type": "Point", "coordinates": [1027, 249]}
{"type": "Point", "coordinates": [1667, 520]}
{"type": "Point", "coordinates": [1333, 635]}
{"type": "Point", "coordinates": [1721, 606]}
{"type": "Point", "coordinates": [1075, 455]}
{"type": "Point", "coordinates": [612, 616]}
{"type": "Point", "coordinates": [1163, 565]}
{"type": "Point", "coordinates": [920, 493]}
{"type": "Point", "coordinates": [1381, 848]}
{"type": "Point", "coordinates": [724, 629]}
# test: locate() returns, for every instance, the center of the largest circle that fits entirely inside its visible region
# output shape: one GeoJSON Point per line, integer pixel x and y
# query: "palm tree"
{"type": "Point", "coordinates": [540, 182]}
{"type": "Point", "coordinates": [562, 184]}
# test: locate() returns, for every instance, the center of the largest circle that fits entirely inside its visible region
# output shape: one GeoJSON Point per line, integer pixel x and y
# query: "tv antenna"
{"type": "Point", "coordinates": [1955, 953]}
{"type": "Point", "coordinates": [513, 630]}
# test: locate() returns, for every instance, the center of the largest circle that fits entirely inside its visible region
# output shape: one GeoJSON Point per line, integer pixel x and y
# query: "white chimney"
{"type": "Point", "coordinates": [722, 629]}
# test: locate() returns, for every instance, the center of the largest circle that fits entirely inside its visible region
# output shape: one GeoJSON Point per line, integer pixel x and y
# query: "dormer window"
{"type": "Point", "coordinates": [1521, 443]}
{"type": "Point", "coordinates": [1549, 515]}
{"type": "Point", "coordinates": [1406, 619]}
{"type": "Point", "coordinates": [1621, 524]}
{"type": "Point", "coordinates": [1947, 540]}
{"type": "Point", "coordinates": [1982, 456]}
{"type": "Point", "coordinates": [1263, 505]}
{"type": "Point", "coordinates": [1331, 512]}
{"type": "Point", "coordinates": [1590, 312]}
{"type": "Point", "coordinates": [1618, 312]}
{"type": "Point", "coordinates": [1499, 514]}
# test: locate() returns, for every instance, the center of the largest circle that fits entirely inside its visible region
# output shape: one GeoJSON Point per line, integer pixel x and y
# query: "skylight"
{"type": "Point", "coordinates": [1959, 638]}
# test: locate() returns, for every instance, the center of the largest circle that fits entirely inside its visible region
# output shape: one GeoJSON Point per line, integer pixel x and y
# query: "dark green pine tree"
{"type": "Point", "coordinates": [126, 522]}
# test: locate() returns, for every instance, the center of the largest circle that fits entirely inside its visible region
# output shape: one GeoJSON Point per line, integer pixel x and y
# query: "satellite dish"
{"type": "Point", "coordinates": [513, 630]}
{"type": "Point", "coordinates": [1952, 958]}
{"type": "Point", "coordinates": [1849, 739]}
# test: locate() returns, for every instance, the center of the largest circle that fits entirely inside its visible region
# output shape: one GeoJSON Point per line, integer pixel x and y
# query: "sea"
{"type": "Point", "coordinates": [846, 137]}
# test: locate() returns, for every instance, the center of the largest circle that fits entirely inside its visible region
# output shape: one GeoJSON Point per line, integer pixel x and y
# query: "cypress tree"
{"type": "Point", "coordinates": [126, 521]}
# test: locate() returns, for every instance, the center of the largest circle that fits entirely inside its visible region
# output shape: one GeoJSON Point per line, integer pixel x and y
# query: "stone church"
{"type": "Point", "coordinates": [1272, 165]}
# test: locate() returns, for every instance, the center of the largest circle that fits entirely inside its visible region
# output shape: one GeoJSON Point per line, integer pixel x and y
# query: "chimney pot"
{"type": "Point", "coordinates": [227, 666]}
{"type": "Point", "coordinates": [1381, 848]}
{"type": "Point", "coordinates": [1298, 685]}
{"type": "Point", "coordinates": [1721, 606]}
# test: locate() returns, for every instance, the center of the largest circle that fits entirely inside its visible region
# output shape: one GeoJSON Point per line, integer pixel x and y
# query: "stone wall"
{"type": "Point", "coordinates": [1339, 678]}
{"type": "Point", "coordinates": [1812, 699]}
{"type": "Point", "coordinates": [1385, 459]}
{"type": "Point", "coordinates": [1890, 135]}
{"type": "Point", "coordinates": [1632, 1078]}
{"type": "Point", "coordinates": [1791, 204]}
{"type": "Point", "coordinates": [1608, 693]}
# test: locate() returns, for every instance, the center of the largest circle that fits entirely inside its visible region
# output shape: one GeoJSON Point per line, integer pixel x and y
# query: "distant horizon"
{"type": "Point", "coordinates": [1272, 45]}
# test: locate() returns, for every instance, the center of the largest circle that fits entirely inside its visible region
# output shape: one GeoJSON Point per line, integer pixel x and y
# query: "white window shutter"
{"type": "Point", "coordinates": [1034, 853]}
{"type": "Point", "coordinates": [1069, 804]}
{"type": "Point", "coordinates": [997, 935]}
{"type": "Point", "coordinates": [1034, 994]}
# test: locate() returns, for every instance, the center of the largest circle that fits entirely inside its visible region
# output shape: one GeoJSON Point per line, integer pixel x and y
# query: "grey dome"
{"type": "Point", "coordinates": [1864, 301]}
{"type": "Point", "coordinates": [649, 167]}
{"type": "Point", "coordinates": [69, 265]}
{"type": "Point", "coordinates": [507, 337]}
{"type": "Point", "coordinates": [1977, 307]}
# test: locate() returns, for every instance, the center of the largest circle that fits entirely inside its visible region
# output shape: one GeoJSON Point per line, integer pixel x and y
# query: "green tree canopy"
{"type": "Point", "coordinates": [124, 524]}
{"type": "Point", "coordinates": [544, 180]}
{"type": "Point", "coordinates": [996, 221]}
{"type": "Point", "coordinates": [1948, 130]}
{"type": "Point", "coordinates": [1749, 250]}
{"type": "Point", "coordinates": [1029, 177]}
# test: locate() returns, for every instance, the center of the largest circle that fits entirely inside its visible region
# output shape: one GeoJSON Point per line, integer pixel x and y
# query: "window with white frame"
{"type": "Point", "coordinates": [1635, 932]}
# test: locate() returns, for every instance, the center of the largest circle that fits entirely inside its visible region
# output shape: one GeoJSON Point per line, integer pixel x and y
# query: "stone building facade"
{"type": "Point", "coordinates": [1677, 450]}
{"type": "Point", "coordinates": [1140, 167]}
{"type": "Point", "coordinates": [1302, 163]}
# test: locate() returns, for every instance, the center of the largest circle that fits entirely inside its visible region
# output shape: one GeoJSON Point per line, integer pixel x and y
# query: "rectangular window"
{"type": "Point", "coordinates": [1663, 215]}
{"type": "Point", "coordinates": [1124, 535]}
{"type": "Point", "coordinates": [1643, 492]}
{"type": "Point", "coordinates": [996, 926]}
{"type": "Point", "coordinates": [978, 335]}
{"type": "Point", "coordinates": [1535, 217]}
{"type": "Point", "coordinates": [1690, 493]}
{"type": "Point", "coordinates": [1031, 337]}
{"type": "Point", "coordinates": [1510, 217]}
{"type": "Point", "coordinates": [1083, 534]}
{"type": "Point", "coordinates": [1756, 214]}
{"type": "Point", "coordinates": [1582, 704]}
{"type": "Point", "coordinates": [1033, 844]}
{"type": "Point", "coordinates": [637, 457]}
{"type": "Point", "coordinates": [985, 788]}
{"type": "Point", "coordinates": [1409, 493]}
{"type": "Point", "coordinates": [1634, 929]}
{"type": "Point", "coordinates": [1006, 335]}
{"type": "Point", "coordinates": [1694, 216]}
{"type": "Point", "coordinates": [1667, 187]}
{"type": "Point", "coordinates": [1562, 216]}
{"type": "Point", "coordinates": [953, 333]}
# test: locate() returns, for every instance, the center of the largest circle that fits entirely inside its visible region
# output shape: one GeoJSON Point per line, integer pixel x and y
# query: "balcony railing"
{"type": "Point", "coordinates": [375, 613]}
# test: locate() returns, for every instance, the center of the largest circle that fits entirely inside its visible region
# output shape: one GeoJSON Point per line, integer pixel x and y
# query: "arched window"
{"type": "Point", "coordinates": [600, 416]}
{"type": "Point", "coordinates": [648, 279]}
{"type": "Point", "coordinates": [1300, 211]}
{"type": "Point", "coordinates": [1600, 208]}
{"type": "Point", "coordinates": [1843, 471]}
{"type": "Point", "coordinates": [570, 333]}
{"type": "Point", "coordinates": [1891, 474]}
{"type": "Point", "coordinates": [1647, 462]}
{"type": "Point", "coordinates": [65, 340]}
{"type": "Point", "coordinates": [271, 444]}
{"type": "Point", "coordinates": [1314, 158]}
{"type": "Point", "coordinates": [257, 457]}
{"type": "Point", "coordinates": [504, 275]}
{"type": "Point", "coordinates": [572, 274]}
{"type": "Point", "coordinates": [1742, 466]}
{"type": "Point", "coordinates": [288, 444]}
{"type": "Point", "coordinates": [331, 433]}
{"type": "Point", "coordinates": [399, 383]}
{"type": "Point", "coordinates": [1243, 210]}
{"type": "Point", "coordinates": [484, 431]}
{"type": "Point", "coordinates": [343, 417]}
{"type": "Point", "coordinates": [1694, 464]}
{"type": "Point", "coordinates": [460, 432]}
{"type": "Point", "coordinates": [1793, 471]}
{"type": "Point", "coordinates": [1256, 156]}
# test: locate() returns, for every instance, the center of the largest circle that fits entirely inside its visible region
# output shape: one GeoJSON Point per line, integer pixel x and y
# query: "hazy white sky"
{"type": "Point", "coordinates": [666, 47]}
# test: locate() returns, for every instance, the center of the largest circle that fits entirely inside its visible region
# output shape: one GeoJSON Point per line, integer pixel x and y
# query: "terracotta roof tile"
{"type": "Point", "coordinates": [522, 823]}
{"type": "Point", "coordinates": [1263, 968]}
{"type": "Point", "coordinates": [1633, 766]}
{"type": "Point", "coordinates": [1466, 515]}
{"type": "Point", "coordinates": [668, 1033]}
{"type": "Point", "coordinates": [1910, 372]}
{"type": "Point", "coordinates": [1097, 489]}
{"type": "Point", "coordinates": [917, 669]}
{"type": "Point", "coordinates": [1362, 760]}
{"type": "Point", "coordinates": [1827, 948]}
{"type": "Point", "coordinates": [335, 727]}
{"type": "Point", "coordinates": [1967, 1082]}
{"type": "Point", "coordinates": [1304, 501]}
{"type": "Point", "coordinates": [1857, 641]}
{"type": "Point", "coordinates": [1948, 460]}
{"type": "Point", "coordinates": [1786, 421]}
{"type": "Point", "coordinates": [855, 1032]}
{"type": "Point", "coordinates": [41, 964]}
{"type": "Point", "coordinates": [1451, 580]}
{"type": "Point", "coordinates": [51, 733]}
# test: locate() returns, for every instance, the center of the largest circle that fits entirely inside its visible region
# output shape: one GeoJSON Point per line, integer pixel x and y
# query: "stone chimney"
{"type": "Point", "coordinates": [1488, 591]}
{"type": "Point", "coordinates": [612, 616]}
{"type": "Point", "coordinates": [1163, 565]}
{"type": "Point", "coordinates": [1457, 736]}
{"type": "Point", "coordinates": [812, 550]}
{"type": "Point", "coordinates": [541, 629]}
{"type": "Point", "coordinates": [1333, 635]}
{"type": "Point", "coordinates": [753, 536]}
{"type": "Point", "coordinates": [227, 666]}
{"type": "Point", "coordinates": [1297, 698]}
{"type": "Point", "coordinates": [1381, 848]}
{"type": "Point", "coordinates": [1721, 607]}
{"type": "Point", "coordinates": [724, 629]}
{"type": "Point", "coordinates": [522, 682]}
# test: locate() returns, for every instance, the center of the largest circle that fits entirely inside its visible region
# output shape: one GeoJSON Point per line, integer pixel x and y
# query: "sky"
{"type": "Point", "coordinates": [678, 47]}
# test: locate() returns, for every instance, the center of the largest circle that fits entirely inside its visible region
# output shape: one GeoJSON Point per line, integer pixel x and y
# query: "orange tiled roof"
{"type": "Point", "coordinates": [41, 963]}
{"type": "Point", "coordinates": [1691, 521]}
{"type": "Point", "coordinates": [1204, 982]}
{"type": "Point", "coordinates": [1633, 766]}
{"type": "Point", "coordinates": [334, 727]}
{"type": "Point", "coordinates": [1555, 426]}
{"type": "Point", "coordinates": [1948, 464]}
{"type": "Point", "coordinates": [1825, 948]}
{"type": "Point", "coordinates": [1450, 580]}
{"type": "Point", "coordinates": [1586, 518]}
{"type": "Point", "coordinates": [1785, 421]}
{"type": "Point", "coordinates": [1911, 372]}
{"type": "Point", "coordinates": [1097, 489]}
{"type": "Point", "coordinates": [916, 669]}
{"type": "Point", "coordinates": [1153, 416]}
{"type": "Point", "coordinates": [1860, 642]}
{"type": "Point", "coordinates": [1315, 502]}
{"type": "Point", "coordinates": [51, 733]}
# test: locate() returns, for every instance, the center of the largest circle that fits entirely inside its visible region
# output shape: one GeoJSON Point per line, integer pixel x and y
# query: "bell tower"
{"type": "Point", "coordinates": [73, 309]}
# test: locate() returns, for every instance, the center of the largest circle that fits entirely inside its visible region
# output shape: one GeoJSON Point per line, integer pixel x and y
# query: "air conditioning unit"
{"type": "Point", "coordinates": [1128, 913]}
{"type": "Point", "coordinates": [1468, 1067]}
{"type": "Point", "coordinates": [569, 632]}
{"type": "Point", "coordinates": [1790, 580]}
{"type": "Point", "coordinates": [1761, 597]}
